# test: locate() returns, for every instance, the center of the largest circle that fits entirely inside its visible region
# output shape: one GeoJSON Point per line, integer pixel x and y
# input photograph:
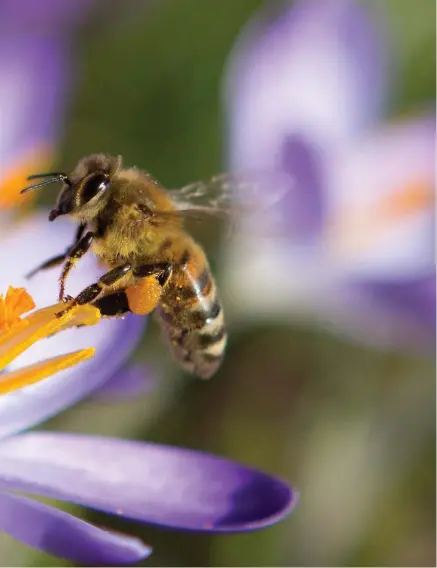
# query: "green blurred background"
{"type": "Point", "coordinates": [352, 428]}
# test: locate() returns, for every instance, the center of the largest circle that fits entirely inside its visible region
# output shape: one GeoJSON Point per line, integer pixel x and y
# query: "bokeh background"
{"type": "Point", "coordinates": [351, 425]}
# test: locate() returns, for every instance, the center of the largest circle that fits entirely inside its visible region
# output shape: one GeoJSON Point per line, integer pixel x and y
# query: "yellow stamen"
{"type": "Point", "coordinates": [20, 333]}
{"type": "Point", "coordinates": [41, 370]}
{"type": "Point", "coordinates": [14, 178]}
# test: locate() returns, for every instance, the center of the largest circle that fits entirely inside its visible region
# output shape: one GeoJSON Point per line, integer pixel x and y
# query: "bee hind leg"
{"type": "Point", "coordinates": [113, 305]}
{"type": "Point", "coordinates": [92, 292]}
{"type": "Point", "coordinates": [162, 270]}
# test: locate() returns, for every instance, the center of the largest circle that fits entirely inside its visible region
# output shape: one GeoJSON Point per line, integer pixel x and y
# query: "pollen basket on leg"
{"type": "Point", "coordinates": [144, 296]}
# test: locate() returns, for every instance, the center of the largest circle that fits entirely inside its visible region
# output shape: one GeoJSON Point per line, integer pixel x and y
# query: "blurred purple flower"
{"type": "Point", "coordinates": [305, 90]}
{"type": "Point", "coordinates": [36, 68]}
{"type": "Point", "coordinates": [135, 380]}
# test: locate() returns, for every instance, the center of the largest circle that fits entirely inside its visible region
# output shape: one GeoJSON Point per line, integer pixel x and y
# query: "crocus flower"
{"type": "Point", "coordinates": [35, 71]}
{"type": "Point", "coordinates": [166, 486]}
{"type": "Point", "coordinates": [306, 91]}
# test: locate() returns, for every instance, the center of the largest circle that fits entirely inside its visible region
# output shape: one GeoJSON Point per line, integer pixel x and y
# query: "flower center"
{"type": "Point", "coordinates": [362, 227]}
{"type": "Point", "coordinates": [17, 335]}
{"type": "Point", "coordinates": [414, 197]}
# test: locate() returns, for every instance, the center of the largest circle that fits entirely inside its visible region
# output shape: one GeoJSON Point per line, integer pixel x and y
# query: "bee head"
{"type": "Point", "coordinates": [85, 192]}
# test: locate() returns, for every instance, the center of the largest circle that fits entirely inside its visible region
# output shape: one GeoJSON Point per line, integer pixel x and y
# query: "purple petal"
{"type": "Point", "coordinates": [60, 534]}
{"type": "Point", "coordinates": [33, 241]}
{"type": "Point", "coordinates": [317, 70]}
{"type": "Point", "coordinates": [303, 209]}
{"type": "Point", "coordinates": [32, 98]}
{"type": "Point", "coordinates": [396, 315]}
{"type": "Point", "coordinates": [36, 69]}
{"type": "Point", "coordinates": [416, 300]}
{"type": "Point", "coordinates": [163, 485]}
{"type": "Point", "coordinates": [381, 202]}
{"type": "Point", "coordinates": [377, 235]}
{"type": "Point", "coordinates": [130, 382]}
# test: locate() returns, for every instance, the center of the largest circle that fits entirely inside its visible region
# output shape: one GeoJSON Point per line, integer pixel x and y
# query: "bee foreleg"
{"type": "Point", "coordinates": [75, 253]}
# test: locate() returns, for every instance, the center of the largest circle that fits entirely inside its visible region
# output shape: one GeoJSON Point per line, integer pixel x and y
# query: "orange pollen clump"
{"type": "Point", "coordinates": [144, 296]}
{"type": "Point", "coordinates": [16, 303]}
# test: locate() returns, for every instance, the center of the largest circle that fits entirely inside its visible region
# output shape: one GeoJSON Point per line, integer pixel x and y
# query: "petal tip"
{"type": "Point", "coordinates": [272, 501]}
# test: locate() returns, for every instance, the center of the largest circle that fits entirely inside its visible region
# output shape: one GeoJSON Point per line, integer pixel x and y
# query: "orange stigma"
{"type": "Point", "coordinates": [16, 303]}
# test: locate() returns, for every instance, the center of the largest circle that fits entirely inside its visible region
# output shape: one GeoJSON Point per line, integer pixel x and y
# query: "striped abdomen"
{"type": "Point", "coordinates": [191, 315]}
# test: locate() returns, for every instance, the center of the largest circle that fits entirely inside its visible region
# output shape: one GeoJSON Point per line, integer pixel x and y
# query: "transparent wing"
{"type": "Point", "coordinates": [231, 195]}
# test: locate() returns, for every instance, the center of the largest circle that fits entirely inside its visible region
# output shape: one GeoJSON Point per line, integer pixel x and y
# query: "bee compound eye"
{"type": "Point", "coordinates": [94, 185]}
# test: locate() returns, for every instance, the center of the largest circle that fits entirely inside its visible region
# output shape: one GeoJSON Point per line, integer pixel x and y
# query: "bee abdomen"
{"type": "Point", "coordinates": [199, 351]}
{"type": "Point", "coordinates": [192, 319]}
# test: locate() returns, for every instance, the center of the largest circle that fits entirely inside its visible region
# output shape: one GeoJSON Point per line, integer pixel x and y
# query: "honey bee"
{"type": "Point", "coordinates": [135, 227]}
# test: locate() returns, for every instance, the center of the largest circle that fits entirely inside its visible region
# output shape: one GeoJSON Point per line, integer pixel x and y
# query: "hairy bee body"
{"type": "Point", "coordinates": [135, 225]}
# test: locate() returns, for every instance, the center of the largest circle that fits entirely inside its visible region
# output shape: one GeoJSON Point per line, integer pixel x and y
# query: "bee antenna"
{"type": "Point", "coordinates": [53, 177]}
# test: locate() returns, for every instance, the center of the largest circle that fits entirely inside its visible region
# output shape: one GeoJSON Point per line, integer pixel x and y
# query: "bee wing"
{"type": "Point", "coordinates": [231, 195]}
